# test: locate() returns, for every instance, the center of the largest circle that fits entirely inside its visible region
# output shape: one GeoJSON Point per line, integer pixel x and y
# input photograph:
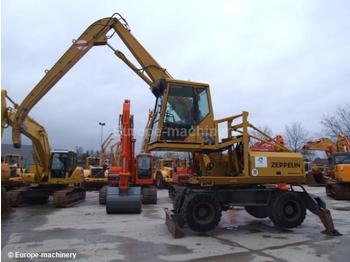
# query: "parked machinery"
{"type": "Point", "coordinates": [130, 183]}
{"type": "Point", "coordinates": [94, 174]}
{"type": "Point", "coordinates": [163, 171]}
{"type": "Point", "coordinates": [338, 184]}
{"type": "Point", "coordinates": [55, 172]}
{"type": "Point", "coordinates": [11, 171]}
{"type": "Point", "coordinates": [274, 145]}
{"type": "Point", "coordinates": [336, 176]}
{"type": "Point", "coordinates": [227, 172]}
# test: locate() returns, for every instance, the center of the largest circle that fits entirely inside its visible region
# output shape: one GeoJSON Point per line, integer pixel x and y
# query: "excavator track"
{"type": "Point", "coordinates": [68, 197]}
{"type": "Point", "coordinates": [5, 205]}
{"type": "Point", "coordinates": [338, 191]}
{"type": "Point", "coordinates": [149, 195]}
{"type": "Point", "coordinates": [15, 197]}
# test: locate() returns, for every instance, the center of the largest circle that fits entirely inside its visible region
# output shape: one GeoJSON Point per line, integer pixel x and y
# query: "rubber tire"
{"type": "Point", "coordinates": [197, 202]}
{"type": "Point", "coordinates": [160, 183]}
{"type": "Point", "coordinates": [171, 193]}
{"type": "Point", "coordinates": [257, 211]}
{"type": "Point", "coordinates": [277, 210]}
{"type": "Point", "coordinates": [329, 190]}
{"type": "Point", "coordinates": [102, 194]}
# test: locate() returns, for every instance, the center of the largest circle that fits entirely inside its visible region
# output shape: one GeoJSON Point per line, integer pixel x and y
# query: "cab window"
{"type": "Point", "coordinates": [203, 105]}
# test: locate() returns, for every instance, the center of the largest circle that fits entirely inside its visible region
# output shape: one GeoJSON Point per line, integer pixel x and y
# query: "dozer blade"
{"type": "Point", "coordinates": [172, 225]}
{"type": "Point", "coordinates": [317, 206]}
{"type": "Point", "coordinates": [123, 202]}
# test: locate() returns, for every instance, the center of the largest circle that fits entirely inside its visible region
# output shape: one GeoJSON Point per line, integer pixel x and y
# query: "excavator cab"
{"type": "Point", "coordinates": [63, 163]}
{"type": "Point", "coordinates": [92, 161]}
{"type": "Point", "coordinates": [183, 115]}
{"type": "Point", "coordinates": [144, 168]}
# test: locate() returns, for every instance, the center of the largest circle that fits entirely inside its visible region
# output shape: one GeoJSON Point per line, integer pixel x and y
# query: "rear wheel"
{"type": "Point", "coordinates": [287, 210]}
{"type": "Point", "coordinates": [202, 212]}
{"type": "Point", "coordinates": [257, 211]}
{"type": "Point", "coordinates": [171, 193]}
{"type": "Point", "coordinates": [102, 195]}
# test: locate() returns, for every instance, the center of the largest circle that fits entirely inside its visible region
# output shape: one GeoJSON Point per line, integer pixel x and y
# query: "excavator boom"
{"type": "Point", "coordinates": [31, 129]}
{"type": "Point", "coordinates": [94, 35]}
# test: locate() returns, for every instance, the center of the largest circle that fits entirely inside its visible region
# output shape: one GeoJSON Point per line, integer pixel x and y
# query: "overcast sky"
{"type": "Point", "coordinates": [283, 61]}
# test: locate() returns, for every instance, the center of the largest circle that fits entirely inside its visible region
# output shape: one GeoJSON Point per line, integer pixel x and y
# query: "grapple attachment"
{"type": "Point", "coordinates": [120, 201]}
{"type": "Point", "coordinates": [317, 206]}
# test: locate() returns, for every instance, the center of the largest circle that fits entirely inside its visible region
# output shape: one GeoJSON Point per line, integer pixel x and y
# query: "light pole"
{"type": "Point", "coordinates": [102, 124]}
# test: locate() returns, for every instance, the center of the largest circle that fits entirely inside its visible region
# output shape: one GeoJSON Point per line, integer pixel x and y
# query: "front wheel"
{"type": "Point", "coordinates": [102, 195]}
{"type": "Point", "coordinates": [287, 210]}
{"type": "Point", "coordinates": [202, 212]}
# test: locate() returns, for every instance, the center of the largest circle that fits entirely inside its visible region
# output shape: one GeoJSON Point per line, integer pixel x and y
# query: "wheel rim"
{"type": "Point", "coordinates": [291, 210]}
{"type": "Point", "coordinates": [203, 213]}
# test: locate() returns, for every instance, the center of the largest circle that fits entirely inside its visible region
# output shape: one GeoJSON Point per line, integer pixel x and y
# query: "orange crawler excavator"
{"type": "Point", "coordinates": [130, 183]}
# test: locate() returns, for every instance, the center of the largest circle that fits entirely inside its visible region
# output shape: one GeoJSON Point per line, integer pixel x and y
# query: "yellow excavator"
{"type": "Point", "coordinates": [336, 175]}
{"type": "Point", "coordinates": [55, 172]}
{"type": "Point", "coordinates": [95, 168]}
{"type": "Point", "coordinates": [227, 172]}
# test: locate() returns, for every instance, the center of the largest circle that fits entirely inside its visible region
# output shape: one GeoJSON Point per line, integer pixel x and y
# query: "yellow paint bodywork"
{"type": "Point", "coordinates": [342, 173]}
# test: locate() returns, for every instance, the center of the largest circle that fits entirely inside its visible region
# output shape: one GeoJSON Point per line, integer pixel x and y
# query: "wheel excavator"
{"type": "Point", "coordinates": [335, 176]}
{"type": "Point", "coordinates": [130, 182]}
{"type": "Point", "coordinates": [227, 172]}
{"type": "Point", "coordinates": [95, 175]}
{"type": "Point", "coordinates": [55, 172]}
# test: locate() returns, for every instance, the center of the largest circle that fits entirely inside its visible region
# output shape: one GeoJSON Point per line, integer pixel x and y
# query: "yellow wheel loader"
{"type": "Point", "coordinates": [163, 171]}
{"type": "Point", "coordinates": [227, 172]}
{"type": "Point", "coordinates": [95, 175]}
{"type": "Point", "coordinates": [12, 171]}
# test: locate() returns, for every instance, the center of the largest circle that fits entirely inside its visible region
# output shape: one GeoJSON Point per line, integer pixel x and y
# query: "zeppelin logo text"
{"type": "Point", "coordinates": [285, 165]}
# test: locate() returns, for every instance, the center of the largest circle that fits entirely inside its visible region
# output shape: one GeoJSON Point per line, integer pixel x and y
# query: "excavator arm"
{"type": "Point", "coordinates": [94, 35]}
{"type": "Point", "coordinates": [322, 144]}
{"type": "Point", "coordinates": [147, 132]}
{"type": "Point", "coordinates": [104, 146]}
{"type": "Point", "coordinates": [31, 129]}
